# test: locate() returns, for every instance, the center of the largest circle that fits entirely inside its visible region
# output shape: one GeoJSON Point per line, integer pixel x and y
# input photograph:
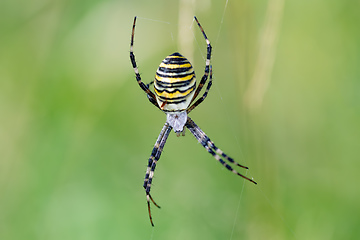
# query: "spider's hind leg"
{"type": "Point", "coordinates": [155, 155]}
{"type": "Point", "coordinates": [219, 151]}
{"type": "Point", "coordinates": [151, 160]}
{"type": "Point", "coordinates": [213, 150]}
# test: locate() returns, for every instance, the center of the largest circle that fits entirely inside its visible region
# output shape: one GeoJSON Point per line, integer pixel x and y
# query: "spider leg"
{"type": "Point", "coordinates": [212, 145]}
{"type": "Point", "coordinates": [151, 159]}
{"type": "Point", "coordinates": [154, 152]}
{"type": "Point", "coordinates": [212, 149]}
{"type": "Point", "coordinates": [145, 88]}
{"type": "Point", "coordinates": [155, 155]}
{"type": "Point", "coordinates": [207, 63]}
{"type": "Point", "coordinates": [204, 95]}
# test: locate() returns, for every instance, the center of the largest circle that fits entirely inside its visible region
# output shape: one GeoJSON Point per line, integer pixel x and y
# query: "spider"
{"type": "Point", "coordinates": [174, 92]}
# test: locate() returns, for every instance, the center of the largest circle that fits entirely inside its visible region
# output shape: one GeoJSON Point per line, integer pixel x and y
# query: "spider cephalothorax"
{"type": "Point", "coordinates": [175, 92]}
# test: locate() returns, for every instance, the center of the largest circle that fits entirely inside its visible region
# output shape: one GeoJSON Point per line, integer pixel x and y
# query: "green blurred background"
{"type": "Point", "coordinates": [76, 130]}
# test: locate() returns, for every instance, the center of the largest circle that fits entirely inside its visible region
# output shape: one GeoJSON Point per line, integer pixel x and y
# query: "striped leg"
{"type": "Point", "coordinates": [204, 95]}
{"type": "Point", "coordinates": [155, 155]}
{"type": "Point", "coordinates": [212, 149]}
{"type": "Point", "coordinates": [151, 159]}
{"type": "Point", "coordinates": [207, 63]}
{"type": "Point", "coordinates": [144, 87]}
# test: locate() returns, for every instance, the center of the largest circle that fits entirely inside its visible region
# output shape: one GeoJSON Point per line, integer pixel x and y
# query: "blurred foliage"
{"type": "Point", "coordinates": [76, 130]}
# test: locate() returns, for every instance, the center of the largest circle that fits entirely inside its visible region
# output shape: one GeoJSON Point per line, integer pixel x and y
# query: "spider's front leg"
{"type": "Point", "coordinates": [155, 155]}
{"type": "Point", "coordinates": [207, 62]}
{"type": "Point", "coordinates": [144, 87]}
{"type": "Point", "coordinates": [200, 100]}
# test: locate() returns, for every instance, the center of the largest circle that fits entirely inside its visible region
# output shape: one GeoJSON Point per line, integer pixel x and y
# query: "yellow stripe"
{"type": "Point", "coordinates": [176, 94]}
{"type": "Point", "coordinates": [173, 80]}
{"type": "Point", "coordinates": [172, 66]}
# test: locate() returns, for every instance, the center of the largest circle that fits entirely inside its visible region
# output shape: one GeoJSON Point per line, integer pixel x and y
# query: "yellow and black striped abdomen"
{"type": "Point", "coordinates": [174, 83]}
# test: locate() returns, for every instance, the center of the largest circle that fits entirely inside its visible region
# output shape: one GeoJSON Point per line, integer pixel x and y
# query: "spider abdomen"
{"type": "Point", "coordinates": [174, 83]}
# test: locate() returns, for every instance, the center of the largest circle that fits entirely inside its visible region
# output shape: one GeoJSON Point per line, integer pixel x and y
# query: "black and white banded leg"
{"type": "Point", "coordinates": [207, 62]}
{"type": "Point", "coordinates": [155, 155]}
{"type": "Point", "coordinates": [200, 100]}
{"type": "Point", "coordinates": [145, 88]}
{"type": "Point", "coordinates": [212, 149]}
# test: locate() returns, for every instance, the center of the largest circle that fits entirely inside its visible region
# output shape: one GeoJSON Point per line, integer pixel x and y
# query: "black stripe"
{"type": "Point", "coordinates": [175, 84]}
{"type": "Point", "coordinates": [177, 54]}
{"type": "Point", "coordinates": [175, 61]}
{"type": "Point", "coordinates": [174, 70]}
{"type": "Point", "coordinates": [175, 76]}
{"type": "Point", "coordinates": [176, 90]}
{"type": "Point", "coordinates": [132, 58]}
{"type": "Point", "coordinates": [177, 110]}
{"type": "Point", "coordinates": [173, 99]}
{"type": "Point", "coordinates": [208, 55]}
{"type": "Point", "coordinates": [174, 102]}
{"type": "Point", "coordinates": [178, 58]}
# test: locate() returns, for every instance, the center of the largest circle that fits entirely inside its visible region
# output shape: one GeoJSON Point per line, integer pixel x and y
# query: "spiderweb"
{"type": "Point", "coordinates": [264, 66]}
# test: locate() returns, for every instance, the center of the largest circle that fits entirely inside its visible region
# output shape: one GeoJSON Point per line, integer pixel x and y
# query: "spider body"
{"type": "Point", "coordinates": [174, 84]}
{"type": "Point", "coordinates": [175, 92]}
{"type": "Point", "coordinates": [174, 88]}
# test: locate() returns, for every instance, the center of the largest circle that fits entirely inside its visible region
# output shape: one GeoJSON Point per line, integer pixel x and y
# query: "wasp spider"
{"type": "Point", "coordinates": [175, 90]}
